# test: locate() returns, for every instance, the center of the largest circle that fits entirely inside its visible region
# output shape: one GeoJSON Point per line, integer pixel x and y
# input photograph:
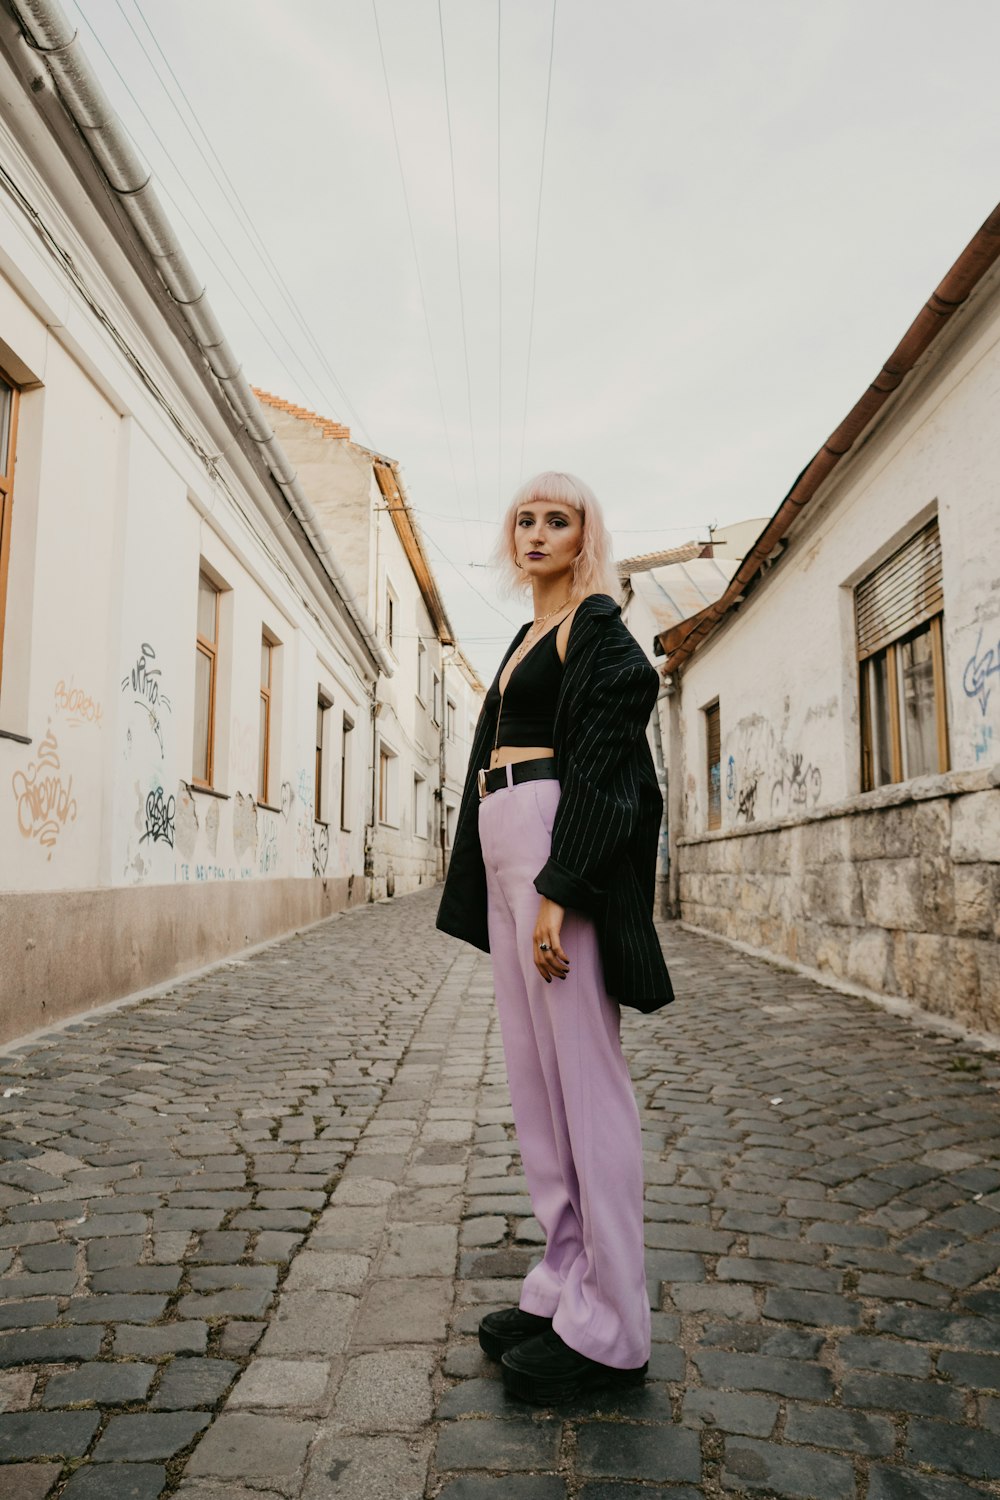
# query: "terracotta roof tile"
{"type": "Point", "coordinates": [326, 425]}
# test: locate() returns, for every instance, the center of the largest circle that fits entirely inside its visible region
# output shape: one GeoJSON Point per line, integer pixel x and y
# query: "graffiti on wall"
{"type": "Point", "coordinates": [79, 707]}
{"type": "Point", "coordinates": [144, 682]}
{"type": "Point", "coordinates": [287, 798]}
{"type": "Point", "coordinates": [980, 667]}
{"type": "Point", "coordinates": [159, 818]}
{"type": "Point", "coordinates": [320, 848]}
{"type": "Point", "coordinates": [982, 745]}
{"type": "Point", "coordinates": [798, 788]}
{"type": "Point", "coordinates": [267, 854]}
{"type": "Point", "coordinates": [763, 772]}
{"type": "Point", "coordinates": [44, 798]}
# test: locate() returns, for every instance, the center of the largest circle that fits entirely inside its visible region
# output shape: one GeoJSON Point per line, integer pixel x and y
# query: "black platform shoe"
{"type": "Point", "coordinates": [546, 1370]}
{"type": "Point", "coordinates": [503, 1330]}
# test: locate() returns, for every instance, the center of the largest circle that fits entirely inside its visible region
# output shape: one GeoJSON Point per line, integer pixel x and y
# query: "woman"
{"type": "Point", "coordinates": [552, 873]}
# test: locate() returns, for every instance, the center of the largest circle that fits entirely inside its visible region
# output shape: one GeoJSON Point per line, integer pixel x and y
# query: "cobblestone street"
{"type": "Point", "coordinates": [249, 1227]}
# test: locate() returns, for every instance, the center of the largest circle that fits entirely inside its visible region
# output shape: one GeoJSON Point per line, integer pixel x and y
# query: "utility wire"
{"type": "Point", "coordinates": [458, 258]}
{"type": "Point", "coordinates": [239, 208]}
{"type": "Point", "coordinates": [296, 381]}
{"type": "Point", "coordinates": [538, 225]}
{"type": "Point", "coordinates": [499, 274]}
{"type": "Point", "coordinates": [416, 263]}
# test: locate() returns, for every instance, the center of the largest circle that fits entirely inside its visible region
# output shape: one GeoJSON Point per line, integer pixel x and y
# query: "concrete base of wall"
{"type": "Point", "coordinates": [897, 892]}
{"type": "Point", "coordinates": [64, 953]}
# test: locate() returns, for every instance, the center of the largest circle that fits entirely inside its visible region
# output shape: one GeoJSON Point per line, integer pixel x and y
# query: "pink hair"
{"type": "Point", "coordinates": [593, 568]}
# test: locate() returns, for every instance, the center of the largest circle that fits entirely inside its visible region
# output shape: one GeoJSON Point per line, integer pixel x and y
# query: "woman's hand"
{"type": "Point", "coordinates": [552, 961]}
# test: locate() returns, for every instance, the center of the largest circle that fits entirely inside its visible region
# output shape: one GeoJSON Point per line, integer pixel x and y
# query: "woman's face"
{"type": "Point", "coordinates": [547, 537]}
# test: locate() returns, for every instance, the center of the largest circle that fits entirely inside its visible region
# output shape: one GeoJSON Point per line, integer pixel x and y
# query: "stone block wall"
{"type": "Point", "coordinates": [897, 891]}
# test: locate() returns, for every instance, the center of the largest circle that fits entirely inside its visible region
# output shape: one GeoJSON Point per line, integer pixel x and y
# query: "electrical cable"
{"type": "Point", "coordinates": [256, 239]}
{"type": "Point", "coordinates": [458, 260]}
{"type": "Point", "coordinates": [538, 226]}
{"type": "Point", "coordinates": [420, 279]}
{"type": "Point", "coordinates": [499, 274]}
{"type": "Point", "coordinates": [323, 398]}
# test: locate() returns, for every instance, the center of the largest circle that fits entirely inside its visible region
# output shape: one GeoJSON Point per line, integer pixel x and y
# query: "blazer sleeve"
{"type": "Point", "coordinates": [600, 796]}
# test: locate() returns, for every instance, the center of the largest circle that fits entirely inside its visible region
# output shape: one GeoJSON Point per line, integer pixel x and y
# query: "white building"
{"type": "Point", "coordinates": [834, 728]}
{"type": "Point", "coordinates": [190, 682]}
{"type": "Point", "coordinates": [418, 739]}
{"type": "Point", "coordinates": [659, 590]}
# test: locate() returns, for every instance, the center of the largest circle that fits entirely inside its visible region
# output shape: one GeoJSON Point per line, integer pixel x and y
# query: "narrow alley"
{"type": "Point", "coordinates": [250, 1226]}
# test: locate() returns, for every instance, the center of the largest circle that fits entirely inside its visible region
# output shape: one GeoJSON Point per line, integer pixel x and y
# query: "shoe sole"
{"type": "Point", "coordinates": [553, 1391]}
{"type": "Point", "coordinates": [495, 1346]}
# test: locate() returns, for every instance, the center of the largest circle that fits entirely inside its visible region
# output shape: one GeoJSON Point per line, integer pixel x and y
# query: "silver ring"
{"type": "Point", "coordinates": [543, 948]}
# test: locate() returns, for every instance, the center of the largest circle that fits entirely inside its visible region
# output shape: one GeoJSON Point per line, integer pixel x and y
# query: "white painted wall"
{"type": "Point", "coordinates": [114, 514]}
{"type": "Point", "coordinates": [783, 667]}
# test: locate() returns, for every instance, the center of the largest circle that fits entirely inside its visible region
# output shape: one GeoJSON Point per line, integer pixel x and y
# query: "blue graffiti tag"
{"type": "Point", "coordinates": [977, 670]}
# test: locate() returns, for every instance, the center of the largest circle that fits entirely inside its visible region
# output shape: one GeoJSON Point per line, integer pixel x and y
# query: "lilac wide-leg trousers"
{"type": "Point", "coordinates": [574, 1109]}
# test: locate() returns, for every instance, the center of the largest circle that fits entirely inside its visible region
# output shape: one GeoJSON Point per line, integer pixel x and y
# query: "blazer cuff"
{"type": "Point", "coordinates": [565, 888]}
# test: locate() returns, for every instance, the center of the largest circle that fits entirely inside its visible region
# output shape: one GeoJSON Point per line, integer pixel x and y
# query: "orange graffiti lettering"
{"type": "Point", "coordinates": [80, 706]}
{"type": "Point", "coordinates": [45, 803]}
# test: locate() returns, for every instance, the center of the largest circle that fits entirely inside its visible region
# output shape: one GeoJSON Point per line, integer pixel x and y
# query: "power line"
{"type": "Point", "coordinates": [200, 242]}
{"type": "Point", "coordinates": [416, 263]}
{"type": "Point", "coordinates": [538, 226]}
{"type": "Point", "coordinates": [458, 258]}
{"type": "Point", "coordinates": [499, 275]}
{"type": "Point", "coordinates": [239, 209]}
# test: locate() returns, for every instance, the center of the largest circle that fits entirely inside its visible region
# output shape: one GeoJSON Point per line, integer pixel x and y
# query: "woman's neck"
{"type": "Point", "coordinates": [550, 595]}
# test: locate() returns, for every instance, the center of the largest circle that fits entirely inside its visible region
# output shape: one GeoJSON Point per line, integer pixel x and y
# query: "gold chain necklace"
{"type": "Point", "coordinates": [527, 643]}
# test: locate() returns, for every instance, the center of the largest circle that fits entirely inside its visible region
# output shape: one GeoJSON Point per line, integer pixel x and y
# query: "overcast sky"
{"type": "Point", "coordinates": [744, 205]}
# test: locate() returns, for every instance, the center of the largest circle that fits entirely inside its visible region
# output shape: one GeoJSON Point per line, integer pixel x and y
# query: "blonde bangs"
{"type": "Point", "coordinates": [594, 570]}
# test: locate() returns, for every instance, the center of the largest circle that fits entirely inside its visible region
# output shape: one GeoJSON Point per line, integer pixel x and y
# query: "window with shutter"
{"type": "Point", "coordinates": [900, 645]}
{"type": "Point", "coordinates": [713, 741]}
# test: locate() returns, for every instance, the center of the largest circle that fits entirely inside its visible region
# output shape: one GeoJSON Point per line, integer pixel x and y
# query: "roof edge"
{"type": "Point", "coordinates": [681, 641]}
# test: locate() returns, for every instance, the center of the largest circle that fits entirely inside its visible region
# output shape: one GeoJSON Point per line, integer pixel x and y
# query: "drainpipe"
{"type": "Point", "coordinates": [48, 33]}
{"type": "Point", "coordinates": [443, 771]}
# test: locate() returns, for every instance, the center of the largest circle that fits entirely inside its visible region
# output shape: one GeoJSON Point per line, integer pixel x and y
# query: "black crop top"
{"type": "Point", "coordinates": [529, 702]}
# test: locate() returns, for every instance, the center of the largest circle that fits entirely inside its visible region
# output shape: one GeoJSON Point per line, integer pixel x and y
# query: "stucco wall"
{"type": "Point", "coordinates": [783, 668]}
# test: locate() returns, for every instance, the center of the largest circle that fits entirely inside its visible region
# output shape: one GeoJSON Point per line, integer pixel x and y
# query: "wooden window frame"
{"type": "Point", "coordinates": [323, 704]}
{"type": "Point", "coordinates": [894, 689]}
{"type": "Point", "coordinates": [347, 728]}
{"type": "Point", "coordinates": [385, 758]}
{"type": "Point", "coordinates": [264, 769]}
{"type": "Point", "coordinates": [8, 461]}
{"type": "Point", "coordinates": [714, 812]}
{"type": "Point", "coordinates": [210, 649]}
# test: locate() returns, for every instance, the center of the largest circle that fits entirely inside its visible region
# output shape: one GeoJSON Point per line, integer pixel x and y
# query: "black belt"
{"type": "Point", "coordinates": [543, 768]}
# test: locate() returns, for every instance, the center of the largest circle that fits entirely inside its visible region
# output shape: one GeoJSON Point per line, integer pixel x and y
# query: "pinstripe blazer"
{"type": "Point", "coordinates": [607, 824]}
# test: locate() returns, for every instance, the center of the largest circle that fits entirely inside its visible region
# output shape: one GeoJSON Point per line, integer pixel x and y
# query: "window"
{"type": "Point", "coordinates": [264, 754]}
{"type": "Point", "coordinates": [899, 610]}
{"type": "Point", "coordinates": [421, 671]}
{"type": "Point", "coordinates": [8, 445]}
{"type": "Point", "coordinates": [205, 673]}
{"type": "Point", "coordinates": [436, 700]}
{"type": "Point", "coordinates": [319, 803]}
{"type": "Point", "coordinates": [387, 784]}
{"type": "Point", "coordinates": [346, 746]}
{"type": "Point", "coordinates": [421, 823]}
{"type": "Point", "coordinates": [449, 719]}
{"type": "Point", "coordinates": [390, 618]}
{"type": "Point", "coordinates": [713, 746]}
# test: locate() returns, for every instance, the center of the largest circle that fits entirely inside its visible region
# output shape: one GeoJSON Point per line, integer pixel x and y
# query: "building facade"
{"type": "Point", "coordinates": [417, 738]}
{"type": "Point", "coordinates": [833, 719]}
{"type": "Point", "coordinates": [193, 695]}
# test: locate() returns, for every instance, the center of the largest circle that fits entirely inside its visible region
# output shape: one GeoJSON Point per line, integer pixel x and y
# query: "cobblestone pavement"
{"type": "Point", "coordinates": [249, 1227]}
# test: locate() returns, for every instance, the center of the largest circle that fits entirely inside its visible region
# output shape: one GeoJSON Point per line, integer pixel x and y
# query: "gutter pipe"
{"type": "Point", "coordinates": [49, 33]}
{"type": "Point", "coordinates": [975, 261]}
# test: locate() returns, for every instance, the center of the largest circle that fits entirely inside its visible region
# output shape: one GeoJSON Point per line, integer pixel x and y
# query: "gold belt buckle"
{"type": "Point", "coordinates": [481, 779]}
